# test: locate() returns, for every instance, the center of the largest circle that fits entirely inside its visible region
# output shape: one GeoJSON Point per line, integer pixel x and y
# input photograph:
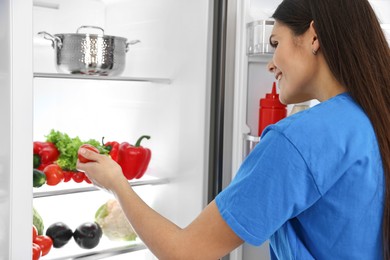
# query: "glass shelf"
{"type": "Point", "coordinates": [260, 58]}
{"type": "Point", "coordinates": [99, 254]}
{"type": "Point", "coordinates": [92, 77]}
{"type": "Point", "coordinates": [72, 187]}
{"type": "Point", "coordinates": [250, 141]}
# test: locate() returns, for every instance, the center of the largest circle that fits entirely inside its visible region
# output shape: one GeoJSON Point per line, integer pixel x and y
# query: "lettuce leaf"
{"type": "Point", "coordinates": [68, 148]}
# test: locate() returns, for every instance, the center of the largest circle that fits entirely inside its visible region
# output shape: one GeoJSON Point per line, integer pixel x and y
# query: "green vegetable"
{"type": "Point", "coordinates": [113, 222]}
{"type": "Point", "coordinates": [38, 221]}
{"type": "Point", "coordinates": [37, 161]}
{"type": "Point", "coordinates": [39, 178]}
{"type": "Point", "coordinates": [102, 212]}
{"type": "Point", "coordinates": [68, 148]}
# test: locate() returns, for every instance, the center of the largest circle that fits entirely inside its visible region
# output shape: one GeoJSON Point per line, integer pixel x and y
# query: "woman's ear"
{"type": "Point", "coordinates": [314, 39]}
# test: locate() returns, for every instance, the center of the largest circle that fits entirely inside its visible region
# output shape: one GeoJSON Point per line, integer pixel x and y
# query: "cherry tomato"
{"type": "Point", "coordinates": [36, 251]}
{"type": "Point", "coordinates": [89, 147]}
{"type": "Point", "coordinates": [78, 176]}
{"type": "Point", "coordinates": [67, 175]}
{"type": "Point", "coordinates": [54, 174]}
{"type": "Point", "coordinates": [34, 232]}
{"type": "Point", "coordinates": [87, 180]}
{"type": "Point", "coordinates": [45, 243]}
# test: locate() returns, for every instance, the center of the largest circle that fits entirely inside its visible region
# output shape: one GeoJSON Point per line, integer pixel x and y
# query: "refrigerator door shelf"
{"type": "Point", "coordinates": [250, 142]}
{"type": "Point", "coordinates": [72, 187]}
{"type": "Point", "coordinates": [258, 33]}
{"type": "Point", "coordinates": [91, 77]}
{"type": "Point", "coordinates": [260, 58]}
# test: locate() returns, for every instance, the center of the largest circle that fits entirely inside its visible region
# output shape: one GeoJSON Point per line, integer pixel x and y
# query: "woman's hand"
{"type": "Point", "coordinates": [102, 171]}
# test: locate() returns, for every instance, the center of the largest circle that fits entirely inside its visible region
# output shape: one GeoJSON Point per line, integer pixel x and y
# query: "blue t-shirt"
{"type": "Point", "coordinates": [313, 186]}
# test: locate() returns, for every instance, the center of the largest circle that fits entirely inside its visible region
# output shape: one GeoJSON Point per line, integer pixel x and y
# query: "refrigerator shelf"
{"type": "Point", "coordinates": [101, 254]}
{"type": "Point", "coordinates": [260, 58]}
{"type": "Point", "coordinates": [91, 77]}
{"type": "Point", "coordinates": [71, 188]}
{"type": "Point", "coordinates": [250, 141]}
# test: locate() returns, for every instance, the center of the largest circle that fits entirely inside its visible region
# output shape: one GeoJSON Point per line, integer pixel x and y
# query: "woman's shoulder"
{"type": "Point", "coordinates": [331, 137]}
{"type": "Point", "coordinates": [337, 126]}
{"type": "Point", "coordinates": [335, 116]}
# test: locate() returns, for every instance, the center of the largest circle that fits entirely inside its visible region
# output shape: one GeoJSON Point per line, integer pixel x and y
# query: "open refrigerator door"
{"type": "Point", "coordinates": [253, 25]}
{"type": "Point", "coordinates": [162, 92]}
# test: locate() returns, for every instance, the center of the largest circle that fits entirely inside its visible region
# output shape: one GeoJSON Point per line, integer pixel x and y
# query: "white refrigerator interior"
{"type": "Point", "coordinates": [163, 92]}
{"type": "Point", "coordinates": [170, 104]}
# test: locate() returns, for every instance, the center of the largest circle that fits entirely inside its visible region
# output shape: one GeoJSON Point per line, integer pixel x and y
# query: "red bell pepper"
{"type": "Point", "coordinates": [134, 160]}
{"type": "Point", "coordinates": [113, 149]}
{"type": "Point", "coordinates": [45, 153]}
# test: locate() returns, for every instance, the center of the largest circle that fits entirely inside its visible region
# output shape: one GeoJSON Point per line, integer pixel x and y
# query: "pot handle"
{"type": "Point", "coordinates": [131, 43]}
{"type": "Point", "coordinates": [90, 26]}
{"type": "Point", "coordinates": [56, 41]}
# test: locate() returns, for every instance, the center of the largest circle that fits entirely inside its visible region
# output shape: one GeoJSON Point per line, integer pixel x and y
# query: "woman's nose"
{"type": "Point", "coordinates": [271, 66]}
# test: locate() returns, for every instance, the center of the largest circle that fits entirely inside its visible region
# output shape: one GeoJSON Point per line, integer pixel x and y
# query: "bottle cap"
{"type": "Point", "coordinates": [272, 99]}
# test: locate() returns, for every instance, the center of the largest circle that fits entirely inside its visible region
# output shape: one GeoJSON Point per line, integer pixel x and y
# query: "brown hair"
{"type": "Point", "coordinates": [357, 53]}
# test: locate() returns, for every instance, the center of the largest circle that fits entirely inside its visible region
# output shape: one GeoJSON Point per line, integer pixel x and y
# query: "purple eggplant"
{"type": "Point", "coordinates": [88, 235]}
{"type": "Point", "coordinates": [60, 233]}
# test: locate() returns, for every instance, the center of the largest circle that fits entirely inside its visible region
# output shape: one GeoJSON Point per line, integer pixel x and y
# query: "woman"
{"type": "Point", "coordinates": [317, 185]}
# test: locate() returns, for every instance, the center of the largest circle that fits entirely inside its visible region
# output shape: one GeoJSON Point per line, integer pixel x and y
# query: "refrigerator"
{"type": "Point", "coordinates": [193, 84]}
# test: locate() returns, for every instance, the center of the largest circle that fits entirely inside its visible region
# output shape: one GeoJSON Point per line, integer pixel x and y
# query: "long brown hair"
{"type": "Point", "coordinates": [357, 53]}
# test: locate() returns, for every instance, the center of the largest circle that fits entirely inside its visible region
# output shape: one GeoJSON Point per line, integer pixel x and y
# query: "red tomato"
{"type": "Point", "coordinates": [67, 175]}
{"type": "Point", "coordinates": [89, 147]}
{"type": "Point", "coordinates": [87, 180]}
{"type": "Point", "coordinates": [78, 176]}
{"type": "Point", "coordinates": [45, 243]}
{"type": "Point", "coordinates": [34, 232]}
{"type": "Point", "coordinates": [36, 251]}
{"type": "Point", "coordinates": [54, 174]}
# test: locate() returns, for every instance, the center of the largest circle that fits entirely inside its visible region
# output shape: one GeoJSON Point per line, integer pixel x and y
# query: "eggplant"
{"type": "Point", "coordinates": [60, 233]}
{"type": "Point", "coordinates": [88, 235]}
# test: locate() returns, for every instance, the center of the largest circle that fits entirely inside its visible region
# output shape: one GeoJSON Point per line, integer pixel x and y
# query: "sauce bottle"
{"type": "Point", "coordinates": [271, 110]}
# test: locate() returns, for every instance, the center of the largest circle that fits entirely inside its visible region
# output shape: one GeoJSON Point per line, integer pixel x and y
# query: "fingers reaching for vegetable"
{"type": "Point", "coordinates": [89, 147]}
{"type": "Point", "coordinates": [100, 169]}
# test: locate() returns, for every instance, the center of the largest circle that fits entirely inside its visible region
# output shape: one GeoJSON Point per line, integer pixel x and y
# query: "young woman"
{"type": "Point", "coordinates": [318, 183]}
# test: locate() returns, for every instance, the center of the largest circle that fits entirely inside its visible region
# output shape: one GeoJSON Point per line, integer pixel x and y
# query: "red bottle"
{"type": "Point", "coordinates": [271, 110]}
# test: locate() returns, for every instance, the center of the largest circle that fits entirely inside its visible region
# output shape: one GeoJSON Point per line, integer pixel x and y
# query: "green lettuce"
{"type": "Point", "coordinates": [68, 148]}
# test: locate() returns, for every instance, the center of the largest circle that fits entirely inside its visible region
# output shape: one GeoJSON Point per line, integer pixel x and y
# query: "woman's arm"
{"type": "Point", "coordinates": [207, 237]}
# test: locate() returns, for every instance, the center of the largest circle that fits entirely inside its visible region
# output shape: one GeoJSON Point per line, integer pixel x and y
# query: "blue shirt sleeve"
{"type": "Point", "coordinates": [272, 186]}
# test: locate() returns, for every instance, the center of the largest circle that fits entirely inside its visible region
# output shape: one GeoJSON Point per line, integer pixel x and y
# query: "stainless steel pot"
{"type": "Point", "coordinates": [92, 54]}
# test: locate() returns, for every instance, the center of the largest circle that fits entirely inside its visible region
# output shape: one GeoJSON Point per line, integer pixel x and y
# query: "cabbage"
{"type": "Point", "coordinates": [113, 222]}
{"type": "Point", "coordinates": [38, 222]}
